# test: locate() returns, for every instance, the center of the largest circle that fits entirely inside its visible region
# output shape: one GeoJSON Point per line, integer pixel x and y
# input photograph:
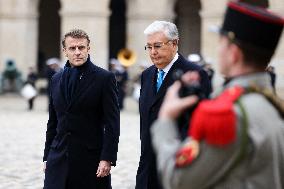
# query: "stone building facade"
{"type": "Point", "coordinates": [31, 30]}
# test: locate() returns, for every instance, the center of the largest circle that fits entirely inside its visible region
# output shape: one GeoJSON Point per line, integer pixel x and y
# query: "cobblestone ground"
{"type": "Point", "coordinates": [22, 136]}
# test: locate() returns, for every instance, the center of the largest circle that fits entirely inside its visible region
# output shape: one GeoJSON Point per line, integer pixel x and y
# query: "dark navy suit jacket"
{"type": "Point", "coordinates": [149, 104]}
{"type": "Point", "coordinates": [83, 131]}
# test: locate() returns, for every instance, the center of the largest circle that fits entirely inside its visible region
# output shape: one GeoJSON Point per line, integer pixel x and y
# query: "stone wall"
{"type": "Point", "coordinates": [19, 28]}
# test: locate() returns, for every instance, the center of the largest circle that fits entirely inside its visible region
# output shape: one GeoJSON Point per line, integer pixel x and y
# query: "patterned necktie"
{"type": "Point", "coordinates": [160, 79]}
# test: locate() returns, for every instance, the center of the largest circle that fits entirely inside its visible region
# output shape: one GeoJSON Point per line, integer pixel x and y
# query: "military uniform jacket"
{"type": "Point", "coordinates": [262, 167]}
{"type": "Point", "coordinates": [82, 132]}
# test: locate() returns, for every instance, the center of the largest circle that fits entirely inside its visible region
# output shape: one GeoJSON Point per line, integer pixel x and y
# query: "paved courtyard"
{"type": "Point", "coordinates": [22, 136]}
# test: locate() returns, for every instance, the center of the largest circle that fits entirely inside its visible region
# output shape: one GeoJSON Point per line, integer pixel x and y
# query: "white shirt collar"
{"type": "Point", "coordinates": [168, 67]}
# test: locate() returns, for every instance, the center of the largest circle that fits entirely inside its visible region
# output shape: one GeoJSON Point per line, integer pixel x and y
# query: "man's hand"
{"type": "Point", "coordinates": [173, 105]}
{"type": "Point", "coordinates": [103, 169]}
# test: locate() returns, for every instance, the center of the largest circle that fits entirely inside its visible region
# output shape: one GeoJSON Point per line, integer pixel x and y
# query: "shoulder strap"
{"type": "Point", "coordinates": [243, 147]}
{"type": "Point", "coordinates": [270, 96]}
{"type": "Point", "coordinates": [274, 100]}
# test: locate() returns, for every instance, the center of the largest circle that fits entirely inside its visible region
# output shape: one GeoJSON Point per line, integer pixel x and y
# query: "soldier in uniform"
{"type": "Point", "coordinates": [236, 139]}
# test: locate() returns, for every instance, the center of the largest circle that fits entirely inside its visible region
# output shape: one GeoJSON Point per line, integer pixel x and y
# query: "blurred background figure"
{"type": "Point", "coordinates": [11, 80]}
{"type": "Point", "coordinates": [121, 76]}
{"type": "Point", "coordinates": [52, 67]}
{"type": "Point", "coordinates": [196, 58]}
{"type": "Point", "coordinates": [210, 71]}
{"type": "Point", "coordinates": [206, 65]}
{"type": "Point", "coordinates": [271, 70]}
{"type": "Point", "coordinates": [31, 80]}
{"type": "Point", "coordinates": [125, 59]}
{"type": "Point", "coordinates": [137, 80]}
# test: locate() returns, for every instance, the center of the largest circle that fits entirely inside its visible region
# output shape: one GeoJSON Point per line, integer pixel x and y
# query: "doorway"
{"type": "Point", "coordinates": [49, 33]}
{"type": "Point", "coordinates": [117, 27]}
{"type": "Point", "coordinates": [188, 22]}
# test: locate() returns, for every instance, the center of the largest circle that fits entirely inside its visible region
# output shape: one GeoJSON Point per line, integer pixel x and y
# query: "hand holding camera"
{"type": "Point", "coordinates": [186, 86]}
{"type": "Point", "coordinates": [181, 99]}
{"type": "Point", "coordinates": [190, 83]}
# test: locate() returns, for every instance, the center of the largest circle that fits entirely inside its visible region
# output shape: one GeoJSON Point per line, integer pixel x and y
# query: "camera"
{"type": "Point", "coordinates": [194, 88]}
{"type": "Point", "coordinates": [188, 89]}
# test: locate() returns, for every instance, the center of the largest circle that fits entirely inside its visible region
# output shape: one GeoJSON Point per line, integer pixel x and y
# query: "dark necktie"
{"type": "Point", "coordinates": [160, 79]}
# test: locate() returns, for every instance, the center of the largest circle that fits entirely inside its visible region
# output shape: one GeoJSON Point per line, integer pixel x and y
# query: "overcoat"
{"type": "Point", "coordinates": [82, 131]}
{"type": "Point", "coordinates": [149, 104]}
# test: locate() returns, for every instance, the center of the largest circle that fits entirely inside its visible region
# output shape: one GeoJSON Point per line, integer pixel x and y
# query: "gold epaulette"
{"type": "Point", "coordinates": [276, 101]}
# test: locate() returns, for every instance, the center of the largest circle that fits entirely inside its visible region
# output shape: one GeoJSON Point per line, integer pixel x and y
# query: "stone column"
{"type": "Point", "coordinates": [141, 13]}
{"type": "Point", "coordinates": [211, 19]}
{"type": "Point", "coordinates": [211, 16]}
{"type": "Point", "coordinates": [91, 16]}
{"type": "Point", "coordinates": [278, 7]}
{"type": "Point", "coordinates": [278, 58]}
{"type": "Point", "coordinates": [189, 25]}
{"type": "Point", "coordinates": [18, 33]}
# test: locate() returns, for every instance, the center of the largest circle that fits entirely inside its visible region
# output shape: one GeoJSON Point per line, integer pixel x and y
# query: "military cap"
{"type": "Point", "coordinates": [255, 26]}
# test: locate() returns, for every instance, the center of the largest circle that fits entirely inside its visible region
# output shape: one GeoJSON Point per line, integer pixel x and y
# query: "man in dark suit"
{"type": "Point", "coordinates": [52, 67]}
{"type": "Point", "coordinates": [83, 127]}
{"type": "Point", "coordinates": [162, 46]}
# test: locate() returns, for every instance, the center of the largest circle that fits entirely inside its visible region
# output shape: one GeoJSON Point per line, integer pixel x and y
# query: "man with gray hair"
{"type": "Point", "coordinates": [162, 47]}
